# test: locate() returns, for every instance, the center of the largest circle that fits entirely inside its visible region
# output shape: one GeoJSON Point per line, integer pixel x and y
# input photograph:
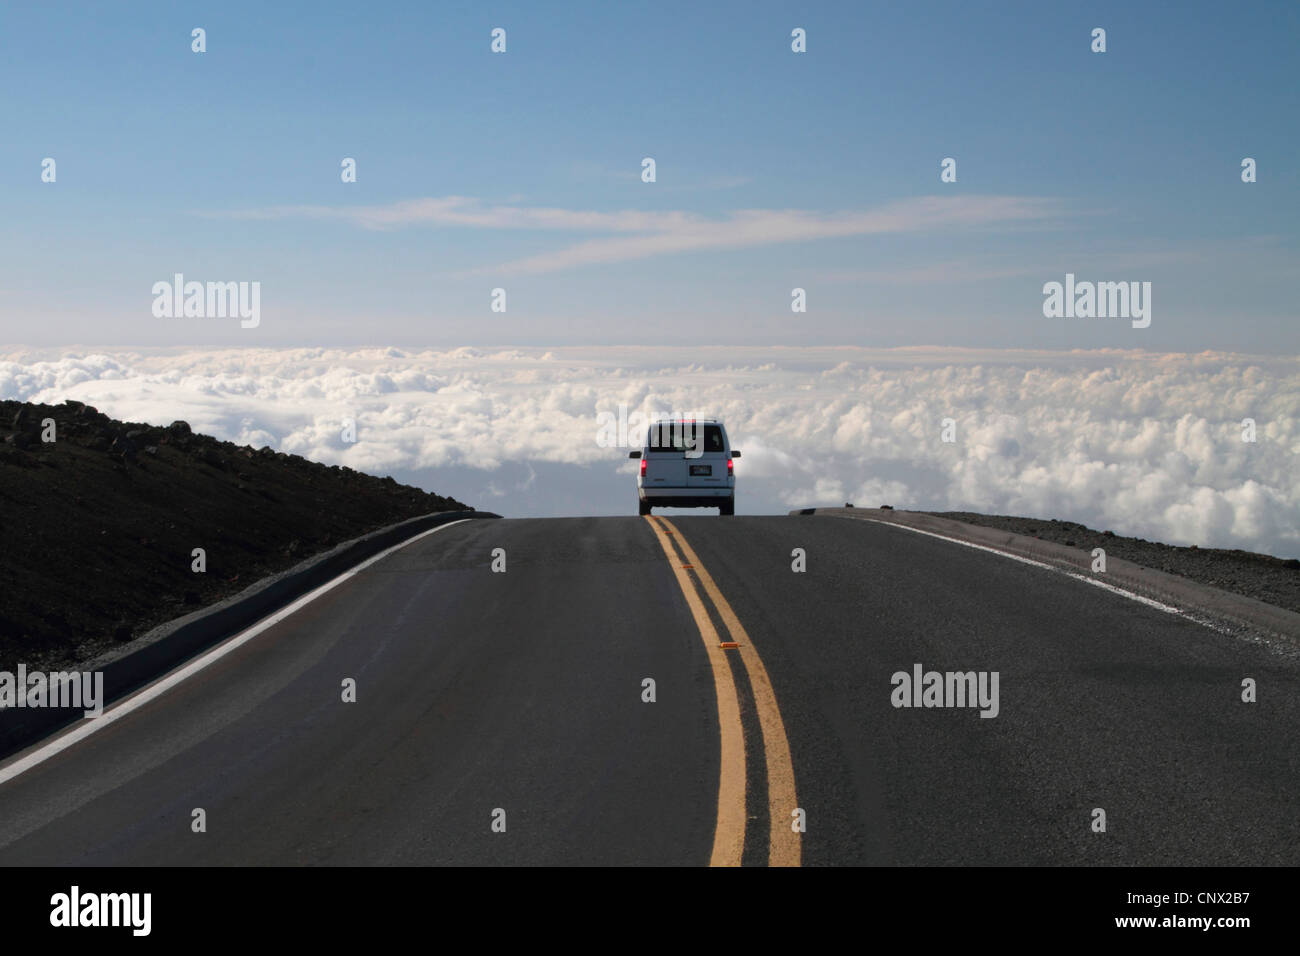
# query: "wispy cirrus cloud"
{"type": "Point", "coordinates": [1081, 256]}
{"type": "Point", "coordinates": [468, 212]}
{"type": "Point", "coordinates": [641, 235]}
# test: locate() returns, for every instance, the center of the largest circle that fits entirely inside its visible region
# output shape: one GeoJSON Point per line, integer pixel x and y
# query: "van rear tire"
{"type": "Point", "coordinates": [643, 507]}
{"type": "Point", "coordinates": [728, 507]}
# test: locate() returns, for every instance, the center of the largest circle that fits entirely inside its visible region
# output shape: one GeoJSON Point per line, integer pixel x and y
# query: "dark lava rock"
{"type": "Point", "coordinates": [106, 542]}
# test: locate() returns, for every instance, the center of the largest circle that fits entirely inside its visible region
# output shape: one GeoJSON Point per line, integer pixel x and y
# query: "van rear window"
{"type": "Point", "coordinates": [678, 436]}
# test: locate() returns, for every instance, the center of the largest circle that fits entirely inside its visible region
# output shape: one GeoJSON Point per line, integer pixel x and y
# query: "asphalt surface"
{"type": "Point", "coordinates": [522, 691]}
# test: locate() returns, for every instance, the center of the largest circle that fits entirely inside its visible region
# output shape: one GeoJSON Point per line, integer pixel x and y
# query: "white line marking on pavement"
{"type": "Point", "coordinates": [88, 726]}
{"type": "Point", "coordinates": [1149, 602]}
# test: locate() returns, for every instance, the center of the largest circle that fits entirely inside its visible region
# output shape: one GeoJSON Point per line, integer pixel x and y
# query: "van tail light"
{"type": "Point", "coordinates": [643, 463]}
{"type": "Point", "coordinates": [731, 467]}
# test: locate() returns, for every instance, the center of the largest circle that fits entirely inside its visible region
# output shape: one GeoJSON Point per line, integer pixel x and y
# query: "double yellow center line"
{"type": "Point", "coordinates": [784, 846]}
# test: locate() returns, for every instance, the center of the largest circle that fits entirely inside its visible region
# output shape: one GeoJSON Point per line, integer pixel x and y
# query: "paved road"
{"type": "Point", "coordinates": [523, 690]}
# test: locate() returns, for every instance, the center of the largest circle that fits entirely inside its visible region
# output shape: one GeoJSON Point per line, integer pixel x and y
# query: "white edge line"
{"type": "Point", "coordinates": [159, 687]}
{"type": "Point", "coordinates": [1149, 602]}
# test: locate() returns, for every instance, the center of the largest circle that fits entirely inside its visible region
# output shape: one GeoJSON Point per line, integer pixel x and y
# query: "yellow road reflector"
{"type": "Point", "coordinates": [729, 830]}
{"type": "Point", "coordinates": [784, 843]}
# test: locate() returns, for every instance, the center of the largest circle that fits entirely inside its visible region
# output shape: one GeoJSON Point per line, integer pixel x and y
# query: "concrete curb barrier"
{"type": "Point", "coordinates": [171, 644]}
{"type": "Point", "coordinates": [1200, 600]}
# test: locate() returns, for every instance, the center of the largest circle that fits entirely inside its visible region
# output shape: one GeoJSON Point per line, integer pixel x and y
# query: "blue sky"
{"type": "Point", "coordinates": [225, 166]}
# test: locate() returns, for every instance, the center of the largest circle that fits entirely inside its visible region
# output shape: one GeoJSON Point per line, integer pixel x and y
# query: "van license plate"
{"type": "Point", "coordinates": [701, 470]}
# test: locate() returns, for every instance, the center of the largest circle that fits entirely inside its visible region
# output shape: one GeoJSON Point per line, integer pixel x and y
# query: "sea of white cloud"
{"type": "Point", "coordinates": [1142, 444]}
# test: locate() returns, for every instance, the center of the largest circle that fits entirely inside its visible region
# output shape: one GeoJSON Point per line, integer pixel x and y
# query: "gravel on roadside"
{"type": "Point", "coordinates": [1263, 577]}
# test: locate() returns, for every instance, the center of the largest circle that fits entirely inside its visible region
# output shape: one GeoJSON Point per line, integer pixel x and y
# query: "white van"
{"type": "Point", "coordinates": [686, 463]}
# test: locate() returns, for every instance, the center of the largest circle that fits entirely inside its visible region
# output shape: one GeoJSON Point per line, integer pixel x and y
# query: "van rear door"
{"type": "Point", "coordinates": [709, 468]}
{"type": "Point", "coordinates": [665, 456]}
